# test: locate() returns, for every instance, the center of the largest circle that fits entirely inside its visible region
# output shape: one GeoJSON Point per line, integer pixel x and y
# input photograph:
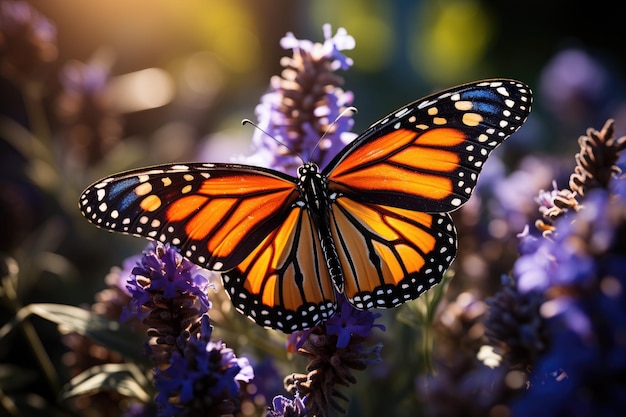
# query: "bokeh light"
{"type": "Point", "coordinates": [449, 39]}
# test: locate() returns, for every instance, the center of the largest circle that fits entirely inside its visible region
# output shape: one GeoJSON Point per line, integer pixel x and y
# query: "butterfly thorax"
{"type": "Point", "coordinates": [313, 188]}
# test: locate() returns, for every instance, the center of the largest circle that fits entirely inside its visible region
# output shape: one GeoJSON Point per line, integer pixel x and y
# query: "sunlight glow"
{"type": "Point", "coordinates": [141, 90]}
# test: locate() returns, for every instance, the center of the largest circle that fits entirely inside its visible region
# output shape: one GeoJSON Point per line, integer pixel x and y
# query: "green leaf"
{"type": "Point", "coordinates": [123, 378]}
{"type": "Point", "coordinates": [108, 333]}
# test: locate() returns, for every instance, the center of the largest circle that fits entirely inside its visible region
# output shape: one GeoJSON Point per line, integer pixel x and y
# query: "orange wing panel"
{"type": "Point", "coordinates": [389, 255]}
{"type": "Point", "coordinates": [284, 282]}
{"type": "Point", "coordinates": [244, 184]}
{"type": "Point", "coordinates": [410, 168]}
{"type": "Point", "coordinates": [248, 214]}
{"type": "Point", "coordinates": [376, 150]}
{"type": "Point", "coordinates": [445, 137]}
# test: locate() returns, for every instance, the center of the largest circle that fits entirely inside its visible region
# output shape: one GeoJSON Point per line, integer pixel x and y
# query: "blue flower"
{"type": "Point", "coordinates": [335, 348]}
{"type": "Point", "coordinates": [582, 373]}
{"type": "Point", "coordinates": [169, 295]}
{"type": "Point", "coordinates": [330, 49]}
{"type": "Point", "coordinates": [554, 263]}
{"type": "Point", "coordinates": [513, 324]}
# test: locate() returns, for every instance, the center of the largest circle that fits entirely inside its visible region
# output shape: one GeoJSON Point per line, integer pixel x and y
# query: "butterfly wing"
{"type": "Point", "coordinates": [427, 155]}
{"type": "Point", "coordinates": [215, 213]}
{"type": "Point", "coordinates": [284, 282]}
{"type": "Point", "coordinates": [244, 220]}
{"type": "Point", "coordinates": [390, 255]}
{"type": "Point", "coordinates": [394, 185]}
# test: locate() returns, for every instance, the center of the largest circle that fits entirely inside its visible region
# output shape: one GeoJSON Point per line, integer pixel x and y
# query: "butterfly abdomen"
{"type": "Point", "coordinates": [332, 258]}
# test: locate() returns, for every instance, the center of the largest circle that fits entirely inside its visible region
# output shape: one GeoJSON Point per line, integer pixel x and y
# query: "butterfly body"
{"type": "Point", "coordinates": [313, 187]}
{"type": "Point", "coordinates": [373, 224]}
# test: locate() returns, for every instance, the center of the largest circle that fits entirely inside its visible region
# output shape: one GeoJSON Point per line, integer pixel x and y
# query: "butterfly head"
{"type": "Point", "coordinates": [308, 169]}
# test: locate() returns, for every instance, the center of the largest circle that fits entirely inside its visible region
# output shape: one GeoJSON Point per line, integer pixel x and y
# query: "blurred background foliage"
{"type": "Point", "coordinates": [122, 84]}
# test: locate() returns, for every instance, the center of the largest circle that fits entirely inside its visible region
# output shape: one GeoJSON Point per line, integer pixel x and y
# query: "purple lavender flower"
{"type": "Point", "coordinates": [162, 269]}
{"type": "Point", "coordinates": [514, 325]}
{"type": "Point", "coordinates": [552, 265]}
{"type": "Point", "coordinates": [78, 78]}
{"type": "Point", "coordinates": [302, 104]}
{"type": "Point", "coordinates": [168, 295]}
{"type": "Point", "coordinates": [575, 86]}
{"type": "Point", "coordinates": [203, 378]}
{"type": "Point", "coordinates": [193, 374]}
{"type": "Point", "coordinates": [349, 321]}
{"type": "Point", "coordinates": [566, 263]}
{"type": "Point", "coordinates": [335, 348]}
{"type": "Point", "coordinates": [583, 372]}
{"type": "Point", "coordinates": [527, 242]}
{"type": "Point", "coordinates": [514, 193]}
{"type": "Point", "coordinates": [582, 274]}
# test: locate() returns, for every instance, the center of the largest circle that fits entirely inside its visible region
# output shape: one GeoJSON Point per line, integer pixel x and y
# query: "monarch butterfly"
{"type": "Point", "coordinates": [374, 224]}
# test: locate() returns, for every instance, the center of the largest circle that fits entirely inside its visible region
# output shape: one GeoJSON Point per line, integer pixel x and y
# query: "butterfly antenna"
{"type": "Point", "coordinates": [330, 127]}
{"type": "Point", "coordinates": [256, 126]}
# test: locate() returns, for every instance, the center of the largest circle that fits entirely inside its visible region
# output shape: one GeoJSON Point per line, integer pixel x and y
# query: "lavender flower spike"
{"type": "Point", "coordinates": [302, 104]}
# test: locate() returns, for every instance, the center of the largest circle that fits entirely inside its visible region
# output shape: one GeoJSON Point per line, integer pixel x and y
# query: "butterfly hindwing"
{"type": "Point", "coordinates": [390, 255]}
{"type": "Point", "coordinates": [284, 282]}
{"type": "Point", "coordinates": [427, 155]}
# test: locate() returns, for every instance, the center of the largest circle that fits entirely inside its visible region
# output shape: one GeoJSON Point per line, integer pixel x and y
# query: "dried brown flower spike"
{"type": "Point", "coordinates": [595, 163]}
{"type": "Point", "coordinates": [595, 167]}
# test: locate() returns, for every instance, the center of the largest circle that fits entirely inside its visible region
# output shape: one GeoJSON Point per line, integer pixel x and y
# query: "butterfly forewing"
{"type": "Point", "coordinates": [427, 155]}
{"type": "Point", "coordinates": [215, 213]}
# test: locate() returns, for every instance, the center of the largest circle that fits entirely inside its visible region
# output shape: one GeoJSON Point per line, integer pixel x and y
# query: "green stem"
{"type": "Point", "coordinates": [427, 347]}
